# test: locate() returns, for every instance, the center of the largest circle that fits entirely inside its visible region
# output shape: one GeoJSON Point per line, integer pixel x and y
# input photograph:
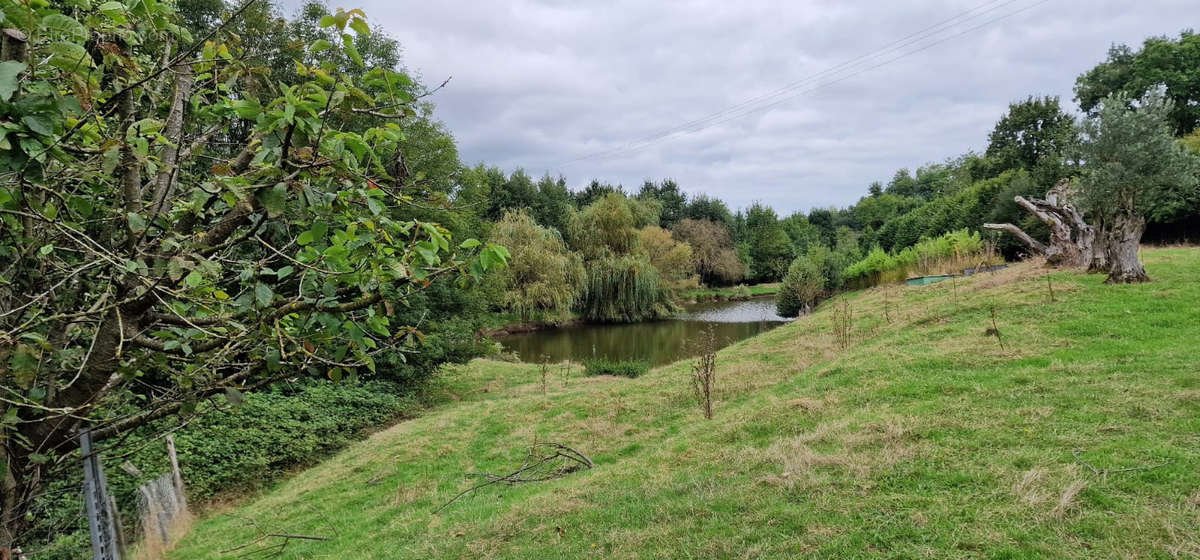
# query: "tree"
{"type": "Point", "coordinates": [544, 275]}
{"type": "Point", "coordinates": [553, 205]}
{"type": "Point", "coordinates": [136, 249]}
{"type": "Point", "coordinates": [714, 257]}
{"type": "Point", "coordinates": [1161, 62]}
{"type": "Point", "coordinates": [595, 191]}
{"type": "Point", "coordinates": [1133, 168]}
{"type": "Point", "coordinates": [1034, 135]}
{"type": "Point", "coordinates": [671, 257]}
{"type": "Point", "coordinates": [802, 233]}
{"type": "Point", "coordinates": [624, 289]}
{"type": "Point", "coordinates": [702, 207]}
{"type": "Point", "coordinates": [672, 201]}
{"type": "Point", "coordinates": [770, 246]}
{"type": "Point", "coordinates": [513, 193]}
{"type": "Point", "coordinates": [606, 227]}
{"type": "Point", "coordinates": [804, 284]}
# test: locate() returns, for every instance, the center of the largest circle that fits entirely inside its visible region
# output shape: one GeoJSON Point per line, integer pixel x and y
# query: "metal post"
{"type": "Point", "coordinates": [95, 495]}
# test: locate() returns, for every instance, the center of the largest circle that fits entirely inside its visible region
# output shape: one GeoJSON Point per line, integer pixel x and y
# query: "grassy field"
{"type": "Point", "coordinates": [1079, 438]}
{"type": "Point", "coordinates": [731, 292]}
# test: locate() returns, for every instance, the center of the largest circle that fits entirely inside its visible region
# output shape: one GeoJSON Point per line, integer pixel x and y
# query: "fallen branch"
{"type": "Point", "coordinates": [546, 461]}
{"type": "Point", "coordinates": [274, 549]}
{"type": "Point", "coordinates": [1103, 473]}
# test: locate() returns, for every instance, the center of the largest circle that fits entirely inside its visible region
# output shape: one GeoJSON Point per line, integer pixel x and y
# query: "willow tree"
{"type": "Point", "coordinates": [138, 244]}
{"type": "Point", "coordinates": [624, 289]}
{"type": "Point", "coordinates": [544, 275]}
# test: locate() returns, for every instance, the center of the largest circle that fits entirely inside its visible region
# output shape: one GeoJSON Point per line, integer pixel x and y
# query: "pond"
{"type": "Point", "coordinates": [656, 342]}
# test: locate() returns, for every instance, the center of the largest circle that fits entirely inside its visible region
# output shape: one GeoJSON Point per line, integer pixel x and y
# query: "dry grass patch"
{"type": "Point", "coordinates": [1067, 500]}
{"type": "Point", "coordinates": [851, 453]}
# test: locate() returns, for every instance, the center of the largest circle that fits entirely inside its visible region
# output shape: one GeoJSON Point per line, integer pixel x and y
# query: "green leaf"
{"type": "Point", "coordinates": [304, 238]}
{"type": "Point", "coordinates": [69, 56]}
{"type": "Point", "coordinates": [46, 249]}
{"type": "Point", "coordinates": [320, 45]}
{"type": "Point", "coordinates": [65, 25]}
{"type": "Point", "coordinates": [39, 124]}
{"type": "Point", "coordinates": [327, 21]}
{"type": "Point", "coordinates": [234, 396]}
{"type": "Point", "coordinates": [263, 294]}
{"type": "Point", "coordinates": [360, 26]}
{"type": "Point", "coordinates": [9, 70]}
{"type": "Point", "coordinates": [193, 279]}
{"type": "Point", "coordinates": [274, 200]}
{"type": "Point", "coordinates": [469, 244]}
{"type": "Point", "coordinates": [137, 223]}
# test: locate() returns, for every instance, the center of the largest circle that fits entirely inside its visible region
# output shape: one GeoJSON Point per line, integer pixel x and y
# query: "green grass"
{"type": "Point", "coordinates": [731, 292]}
{"type": "Point", "coordinates": [923, 439]}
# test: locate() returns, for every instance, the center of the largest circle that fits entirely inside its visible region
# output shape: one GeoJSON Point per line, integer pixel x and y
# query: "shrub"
{"type": "Point", "coordinates": [948, 253]}
{"type": "Point", "coordinates": [804, 283]}
{"type": "Point", "coordinates": [243, 447]}
{"type": "Point", "coordinates": [621, 368]}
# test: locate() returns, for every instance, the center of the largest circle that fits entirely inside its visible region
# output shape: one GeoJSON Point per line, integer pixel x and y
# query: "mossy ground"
{"type": "Point", "coordinates": [924, 439]}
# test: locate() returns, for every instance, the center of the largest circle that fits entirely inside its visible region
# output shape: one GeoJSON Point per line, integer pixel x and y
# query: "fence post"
{"type": "Point", "coordinates": [95, 495]}
{"type": "Point", "coordinates": [176, 474]}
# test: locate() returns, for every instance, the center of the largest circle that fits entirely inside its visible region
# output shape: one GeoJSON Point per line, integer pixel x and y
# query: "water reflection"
{"type": "Point", "coordinates": [657, 342]}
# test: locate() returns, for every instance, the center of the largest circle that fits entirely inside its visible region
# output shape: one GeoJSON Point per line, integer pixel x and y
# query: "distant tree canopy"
{"type": "Point", "coordinates": [714, 257]}
{"type": "Point", "coordinates": [1034, 135]}
{"type": "Point", "coordinates": [672, 202]}
{"type": "Point", "coordinates": [770, 247]}
{"type": "Point", "coordinates": [1161, 62]}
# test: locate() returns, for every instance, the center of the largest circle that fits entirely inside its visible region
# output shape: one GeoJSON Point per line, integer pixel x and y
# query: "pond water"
{"type": "Point", "coordinates": [656, 342]}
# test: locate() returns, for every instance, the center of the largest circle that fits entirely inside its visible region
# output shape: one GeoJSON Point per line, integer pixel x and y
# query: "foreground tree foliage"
{"type": "Point", "coordinates": [163, 223]}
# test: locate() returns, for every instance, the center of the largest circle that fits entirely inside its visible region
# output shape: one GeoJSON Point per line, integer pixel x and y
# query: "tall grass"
{"type": "Point", "coordinates": [947, 254]}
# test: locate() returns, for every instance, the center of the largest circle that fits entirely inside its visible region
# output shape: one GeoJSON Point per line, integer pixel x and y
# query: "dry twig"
{"type": "Point", "coordinates": [545, 461]}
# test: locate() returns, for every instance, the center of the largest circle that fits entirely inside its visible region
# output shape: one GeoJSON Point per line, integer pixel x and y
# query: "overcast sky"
{"type": "Point", "coordinates": [541, 84]}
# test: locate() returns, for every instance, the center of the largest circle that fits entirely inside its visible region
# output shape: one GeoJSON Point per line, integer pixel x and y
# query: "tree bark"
{"type": "Point", "coordinates": [1034, 245]}
{"type": "Point", "coordinates": [1124, 239]}
{"type": "Point", "coordinates": [1073, 242]}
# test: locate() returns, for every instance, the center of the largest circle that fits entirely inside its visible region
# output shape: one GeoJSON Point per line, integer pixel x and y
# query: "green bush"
{"type": "Point", "coordinates": [626, 368]}
{"type": "Point", "coordinates": [948, 253]}
{"type": "Point", "coordinates": [245, 447]}
{"type": "Point", "coordinates": [804, 283]}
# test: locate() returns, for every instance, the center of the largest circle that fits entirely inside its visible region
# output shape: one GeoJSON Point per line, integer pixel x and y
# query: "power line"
{"type": "Point", "coordinates": [749, 105]}
{"type": "Point", "coordinates": [897, 44]}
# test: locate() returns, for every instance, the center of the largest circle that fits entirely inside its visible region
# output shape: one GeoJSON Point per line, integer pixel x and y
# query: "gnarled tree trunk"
{"type": "Point", "coordinates": [1072, 240]}
{"type": "Point", "coordinates": [1123, 238]}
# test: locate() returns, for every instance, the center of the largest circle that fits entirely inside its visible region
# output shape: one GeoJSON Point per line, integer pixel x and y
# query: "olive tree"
{"type": "Point", "coordinates": [162, 226]}
{"type": "Point", "coordinates": [1133, 168]}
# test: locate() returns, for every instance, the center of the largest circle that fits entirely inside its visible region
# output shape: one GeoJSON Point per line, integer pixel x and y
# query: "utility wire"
{"type": "Point", "coordinates": [894, 45]}
{"type": "Point", "coordinates": [748, 107]}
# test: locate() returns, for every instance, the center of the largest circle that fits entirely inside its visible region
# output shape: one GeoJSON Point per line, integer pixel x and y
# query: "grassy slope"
{"type": "Point", "coordinates": [709, 294]}
{"type": "Point", "coordinates": [924, 439]}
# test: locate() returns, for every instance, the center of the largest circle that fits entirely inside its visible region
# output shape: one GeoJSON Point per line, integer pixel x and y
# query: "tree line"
{"type": "Point", "coordinates": [205, 198]}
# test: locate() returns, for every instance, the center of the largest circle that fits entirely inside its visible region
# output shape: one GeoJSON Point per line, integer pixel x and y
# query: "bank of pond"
{"type": "Point", "coordinates": [654, 342]}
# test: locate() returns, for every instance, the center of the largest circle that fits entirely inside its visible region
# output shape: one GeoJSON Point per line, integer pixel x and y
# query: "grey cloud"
{"type": "Point", "coordinates": [540, 83]}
